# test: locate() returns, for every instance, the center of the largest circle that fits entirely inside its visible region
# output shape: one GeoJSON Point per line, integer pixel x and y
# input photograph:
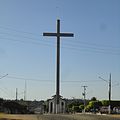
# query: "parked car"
{"type": "Point", "coordinates": [104, 110]}
{"type": "Point", "coordinates": [116, 110]}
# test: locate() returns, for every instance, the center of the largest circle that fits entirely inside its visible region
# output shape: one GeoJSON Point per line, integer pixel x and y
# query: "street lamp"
{"type": "Point", "coordinates": [109, 84]}
{"type": "Point", "coordinates": [3, 76]}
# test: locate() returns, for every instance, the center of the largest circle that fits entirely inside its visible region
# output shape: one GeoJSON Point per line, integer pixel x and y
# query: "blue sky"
{"type": "Point", "coordinates": [93, 51]}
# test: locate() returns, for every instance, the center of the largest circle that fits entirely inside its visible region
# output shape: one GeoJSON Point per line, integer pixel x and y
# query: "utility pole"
{"type": "Point", "coordinates": [16, 94]}
{"type": "Point", "coordinates": [110, 94]}
{"type": "Point", "coordinates": [84, 95]}
{"type": "Point", "coordinates": [109, 91]}
{"type": "Point", "coordinates": [25, 90]}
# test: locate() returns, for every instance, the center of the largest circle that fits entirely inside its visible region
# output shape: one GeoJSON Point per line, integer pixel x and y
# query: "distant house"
{"type": "Point", "coordinates": [36, 107]}
{"type": "Point", "coordinates": [39, 110]}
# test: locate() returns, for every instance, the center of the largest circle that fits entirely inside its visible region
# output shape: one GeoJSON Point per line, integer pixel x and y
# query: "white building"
{"type": "Point", "coordinates": [52, 105]}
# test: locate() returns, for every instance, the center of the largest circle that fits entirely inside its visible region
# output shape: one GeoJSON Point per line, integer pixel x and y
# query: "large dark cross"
{"type": "Point", "coordinates": [58, 35]}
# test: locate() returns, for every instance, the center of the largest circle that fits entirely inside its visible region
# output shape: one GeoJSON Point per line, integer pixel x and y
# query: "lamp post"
{"type": "Point", "coordinates": [109, 91]}
{"type": "Point", "coordinates": [3, 76]}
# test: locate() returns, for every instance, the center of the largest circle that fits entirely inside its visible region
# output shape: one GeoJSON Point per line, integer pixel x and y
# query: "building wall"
{"type": "Point", "coordinates": [61, 106]}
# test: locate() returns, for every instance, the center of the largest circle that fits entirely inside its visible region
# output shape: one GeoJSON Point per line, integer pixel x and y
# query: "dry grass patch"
{"type": "Point", "coordinates": [59, 117]}
{"type": "Point", "coordinates": [116, 116]}
{"type": "Point", "coordinates": [17, 117]}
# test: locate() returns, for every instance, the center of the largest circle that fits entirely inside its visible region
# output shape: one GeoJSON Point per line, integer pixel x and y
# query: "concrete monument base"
{"type": "Point", "coordinates": [55, 108]}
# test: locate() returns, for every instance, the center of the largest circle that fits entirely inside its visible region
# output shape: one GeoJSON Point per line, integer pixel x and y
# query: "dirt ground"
{"type": "Point", "coordinates": [59, 117]}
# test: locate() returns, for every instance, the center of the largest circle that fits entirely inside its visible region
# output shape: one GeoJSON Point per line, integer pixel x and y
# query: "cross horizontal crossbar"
{"type": "Point", "coordinates": [60, 34]}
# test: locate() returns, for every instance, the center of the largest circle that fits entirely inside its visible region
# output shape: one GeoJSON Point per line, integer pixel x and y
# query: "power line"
{"type": "Point", "coordinates": [28, 79]}
{"type": "Point", "coordinates": [38, 80]}
{"type": "Point", "coordinates": [85, 49]}
{"type": "Point", "coordinates": [21, 36]}
{"type": "Point", "coordinates": [79, 46]}
{"type": "Point", "coordinates": [4, 91]}
{"type": "Point", "coordinates": [31, 42]}
{"type": "Point", "coordinates": [19, 31]}
{"type": "Point", "coordinates": [44, 42]}
{"type": "Point", "coordinates": [93, 44]}
{"type": "Point", "coordinates": [77, 41]}
{"type": "Point", "coordinates": [74, 44]}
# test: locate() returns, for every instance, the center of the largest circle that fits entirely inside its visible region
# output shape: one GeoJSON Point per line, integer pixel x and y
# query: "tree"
{"type": "Point", "coordinates": [113, 103]}
{"type": "Point", "coordinates": [94, 105]}
{"type": "Point", "coordinates": [14, 107]}
{"type": "Point", "coordinates": [1, 101]}
{"type": "Point", "coordinates": [81, 107]}
{"type": "Point", "coordinates": [88, 108]}
{"type": "Point", "coordinates": [93, 99]}
{"type": "Point", "coordinates": [1, 104]}
{"type": "Point", "coordinates": [76, 109]}
{"type": "Point", "coordinates": [74, 106]}
{"type": "Point", "coordinates": [105, 102]}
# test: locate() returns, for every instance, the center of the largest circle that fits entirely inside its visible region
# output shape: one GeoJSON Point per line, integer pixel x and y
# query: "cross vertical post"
{"type": "Point", "coordinates": [58, 63]}
{"type": "Point", "coordinates": [58, 35]}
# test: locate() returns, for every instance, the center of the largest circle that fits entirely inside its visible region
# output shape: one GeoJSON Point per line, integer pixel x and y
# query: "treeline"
{"type": "Point", "coordinates": [12, 107]}
{"type": "Point", "coordinates": [92, 105]}
{"type": "Point", "coordinates": [72, 106]}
